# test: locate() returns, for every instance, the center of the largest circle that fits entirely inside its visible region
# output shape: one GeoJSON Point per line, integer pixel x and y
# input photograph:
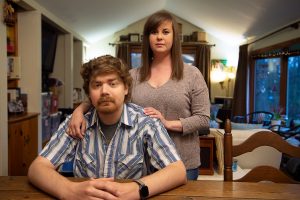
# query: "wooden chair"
{"type": "Point", "coordinates": [259, 173]}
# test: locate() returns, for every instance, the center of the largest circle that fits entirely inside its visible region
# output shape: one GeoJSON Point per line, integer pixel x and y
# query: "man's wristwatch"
{"type": "Point", "coordinates": [143, 189]}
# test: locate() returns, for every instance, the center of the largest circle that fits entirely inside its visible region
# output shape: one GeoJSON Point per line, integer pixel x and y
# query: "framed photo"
{"type": "Point", "coordinates": [13, 67]}
{"type": "Point", "coordinates": [14, 103]}
{"type": "Point", "coordinates": [14, 94]}
{"type": "Point", "coordinates": [134, 37]}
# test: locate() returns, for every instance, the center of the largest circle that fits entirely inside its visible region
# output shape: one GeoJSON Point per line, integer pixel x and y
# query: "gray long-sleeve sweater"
{"type": "Point", "coordinates": [186, 100]}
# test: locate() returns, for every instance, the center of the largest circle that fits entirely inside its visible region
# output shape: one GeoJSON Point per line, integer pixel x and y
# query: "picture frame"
{"type": "Point", "coordinates": [134, 37]}
{"type": "Point", "coordinates": [14, 104]}
{"type": "Point", "coordinates": [13, 67]}
{"type": "Point", "coordinates": [14, 94]}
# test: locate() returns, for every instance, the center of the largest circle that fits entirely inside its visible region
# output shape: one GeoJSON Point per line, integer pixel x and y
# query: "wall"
{"type": "Point", "coordinates": [29, 46]}
{"type": "Point", "coordinates": [279, 37]}
{"type": "Point", "coordinates": [3, 98]}
{"type": "Point", "coordinates": [29, 37]}
{"type": "Point", "coordinates": [63, 70]}
{"type": "Point", "coordinates": [77, 56]}
{"type": "Point", "coordinates": [99, 48]}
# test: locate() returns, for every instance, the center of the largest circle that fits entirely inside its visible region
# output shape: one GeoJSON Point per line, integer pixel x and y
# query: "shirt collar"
{"type": "Point", "coordinates": [92, 117]}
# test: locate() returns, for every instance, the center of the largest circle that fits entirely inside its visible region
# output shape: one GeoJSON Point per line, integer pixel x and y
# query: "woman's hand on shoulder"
{"type": "Point", "coordinates": [152, 112]}
{"type": "Point", "coordinates": [77, 125]}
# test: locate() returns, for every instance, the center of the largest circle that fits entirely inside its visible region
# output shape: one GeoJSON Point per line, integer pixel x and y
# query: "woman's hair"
{"type": "Point", "coordinates": [105, 65]}
{"type": "Point", "coordinates": [153, 22]}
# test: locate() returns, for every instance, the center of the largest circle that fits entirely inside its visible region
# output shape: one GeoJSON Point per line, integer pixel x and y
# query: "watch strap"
{"type": "Point", "coordinates": [143, 189]}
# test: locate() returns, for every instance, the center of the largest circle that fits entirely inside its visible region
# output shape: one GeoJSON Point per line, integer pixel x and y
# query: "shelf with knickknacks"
{"type": "Point", "coordinates": [9, 14]}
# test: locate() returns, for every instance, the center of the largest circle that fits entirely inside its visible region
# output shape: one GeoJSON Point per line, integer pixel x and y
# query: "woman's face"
{"type": "Point", "coordinates": [161, 40]}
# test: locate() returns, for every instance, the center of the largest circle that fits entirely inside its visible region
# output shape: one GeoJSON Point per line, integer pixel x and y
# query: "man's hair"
{"type": "Point", "coordinates": [153, 22]}
{"type": "Point", "coordinates": [106, 65]}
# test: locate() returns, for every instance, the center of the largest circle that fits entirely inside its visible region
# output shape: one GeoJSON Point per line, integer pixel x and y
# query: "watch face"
{"type": "Point", "coordinates": [144, 191]}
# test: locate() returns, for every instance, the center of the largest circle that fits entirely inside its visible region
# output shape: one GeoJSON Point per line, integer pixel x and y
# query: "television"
{"type": "Point", "coordinates": [49, 41]}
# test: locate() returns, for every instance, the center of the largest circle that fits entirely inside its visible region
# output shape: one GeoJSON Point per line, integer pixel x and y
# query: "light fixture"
{"type": "Point", "coordinates": [220, 73]}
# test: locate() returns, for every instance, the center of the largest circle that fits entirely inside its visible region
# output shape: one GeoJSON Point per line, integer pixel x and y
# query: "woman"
{"type": "Point", "coordinates": [168, 89]}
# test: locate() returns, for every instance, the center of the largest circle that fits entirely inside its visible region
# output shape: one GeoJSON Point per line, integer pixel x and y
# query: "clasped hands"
{"type": "Point", "coordinates": [101, 188]}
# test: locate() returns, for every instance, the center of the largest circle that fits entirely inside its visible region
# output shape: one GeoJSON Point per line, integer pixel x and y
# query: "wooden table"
{"type": "Point", "coordinates": [18, 187]}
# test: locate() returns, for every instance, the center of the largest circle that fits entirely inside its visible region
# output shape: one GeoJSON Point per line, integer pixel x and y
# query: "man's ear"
{"type": "Point", "coordinates": [126, 89]}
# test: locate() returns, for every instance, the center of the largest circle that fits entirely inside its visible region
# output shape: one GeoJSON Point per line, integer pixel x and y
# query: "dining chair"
{"type": "Point", "coordinates": [285, 132]}
{"type": "Point", "coordinates": [257, 117]}
{"type": "Point", "coordinates": [258, 139]}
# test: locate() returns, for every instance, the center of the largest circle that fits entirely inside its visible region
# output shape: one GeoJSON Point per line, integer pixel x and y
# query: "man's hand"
{"type": "Point", "coordinates": [102, 188]}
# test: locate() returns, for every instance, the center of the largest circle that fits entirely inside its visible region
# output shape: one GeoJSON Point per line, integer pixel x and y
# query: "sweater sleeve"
{"type": "Point", "coordinates": [200, 104]}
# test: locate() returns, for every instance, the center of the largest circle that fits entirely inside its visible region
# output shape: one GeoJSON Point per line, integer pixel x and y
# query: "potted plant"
{"type": "Point", "coordinates": [277, 111]}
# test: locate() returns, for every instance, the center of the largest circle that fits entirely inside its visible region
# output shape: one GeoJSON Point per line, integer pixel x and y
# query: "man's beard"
{"type": "Point", "coordinates": [106, 105]}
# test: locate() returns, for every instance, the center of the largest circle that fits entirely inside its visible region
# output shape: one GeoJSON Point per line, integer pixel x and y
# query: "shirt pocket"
{"type": "Point", "coordinates": [129, 166]}
{"type": "Point", "coordinates": [84, 165]}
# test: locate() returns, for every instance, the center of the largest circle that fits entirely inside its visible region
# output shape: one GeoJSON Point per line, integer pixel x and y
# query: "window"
{"type": "Point", "coordinates": [267, 84]}
{"type": "Point", "coordinates": [136, 59]}
{"type": "Point", "coordinates": [293, 88]}
{"type": "Point", "coordinates": [275, 79]}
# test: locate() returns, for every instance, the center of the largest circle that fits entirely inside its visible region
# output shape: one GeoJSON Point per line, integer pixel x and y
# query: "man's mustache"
{"type": "Point", "coordinates": [105, 99]}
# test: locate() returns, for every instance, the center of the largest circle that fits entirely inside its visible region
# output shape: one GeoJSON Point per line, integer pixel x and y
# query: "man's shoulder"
{"type": "Point", "coordinates": [135, 109]}
{"type": "Point", "coordinates": [137, 112]}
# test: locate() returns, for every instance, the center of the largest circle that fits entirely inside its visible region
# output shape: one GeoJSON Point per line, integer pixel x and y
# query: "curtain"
{"type": "Point", "coordinates": [122, 53]}
{"type": "Point", "coordinates": [239, 106]}
{"type": "Point", "coordinates": [203, 61]}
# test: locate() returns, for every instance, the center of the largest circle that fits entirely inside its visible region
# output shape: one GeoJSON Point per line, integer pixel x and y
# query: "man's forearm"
{"type": "Point", "coordinates": [43, 175]}
{"type": "Point", "coordinates": [165, 179]}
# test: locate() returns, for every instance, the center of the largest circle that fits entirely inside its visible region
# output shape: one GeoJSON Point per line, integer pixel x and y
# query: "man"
{"type": "Point", "coordinates": [118, 138]}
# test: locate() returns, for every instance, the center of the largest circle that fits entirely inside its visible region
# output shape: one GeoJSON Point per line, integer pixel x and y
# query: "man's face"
{"type": "Point", "coordinates": [107, 93]}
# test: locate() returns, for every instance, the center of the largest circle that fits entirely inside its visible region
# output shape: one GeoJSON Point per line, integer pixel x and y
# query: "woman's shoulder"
{"type": "Point", "coordinates": [190, 70]}
{"type": "Point", "coordinates": [134, 73]}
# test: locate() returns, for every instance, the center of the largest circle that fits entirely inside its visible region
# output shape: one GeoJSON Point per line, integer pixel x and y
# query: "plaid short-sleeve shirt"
{"type": "Point", "coordinates": [124, 156]}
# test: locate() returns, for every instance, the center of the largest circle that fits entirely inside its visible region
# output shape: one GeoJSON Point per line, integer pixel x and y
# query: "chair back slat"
{"type": "Point", "coordinates": [266, 173]}
{"type": "Point", "coordinates": [265, 138]}
{"type": "Point", "coordinates": [259, 173]}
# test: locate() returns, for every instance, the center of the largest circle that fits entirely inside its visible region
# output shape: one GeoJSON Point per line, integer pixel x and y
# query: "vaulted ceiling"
{"type": "Point", "coordinates": [231, 19]}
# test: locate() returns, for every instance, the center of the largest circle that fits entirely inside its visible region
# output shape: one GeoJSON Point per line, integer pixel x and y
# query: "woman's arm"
{"type": "Point", "coordinates": [77, 124]}
{"type": "Point", "coordinates": [172, 125]}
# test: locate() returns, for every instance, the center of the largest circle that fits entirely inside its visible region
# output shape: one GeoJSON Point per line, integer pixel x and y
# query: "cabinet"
{"type": "Point", "coordinates": [22, 143]}
{"type": "Point", "coordinates": [207, 154]}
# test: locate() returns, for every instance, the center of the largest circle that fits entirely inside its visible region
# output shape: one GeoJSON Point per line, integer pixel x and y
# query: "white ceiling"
{"type": "Point", "coordinates": [231, 19]}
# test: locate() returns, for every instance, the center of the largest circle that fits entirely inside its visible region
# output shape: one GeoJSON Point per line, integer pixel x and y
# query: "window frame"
{"type": "Point", "coordinates": [283, 70]}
